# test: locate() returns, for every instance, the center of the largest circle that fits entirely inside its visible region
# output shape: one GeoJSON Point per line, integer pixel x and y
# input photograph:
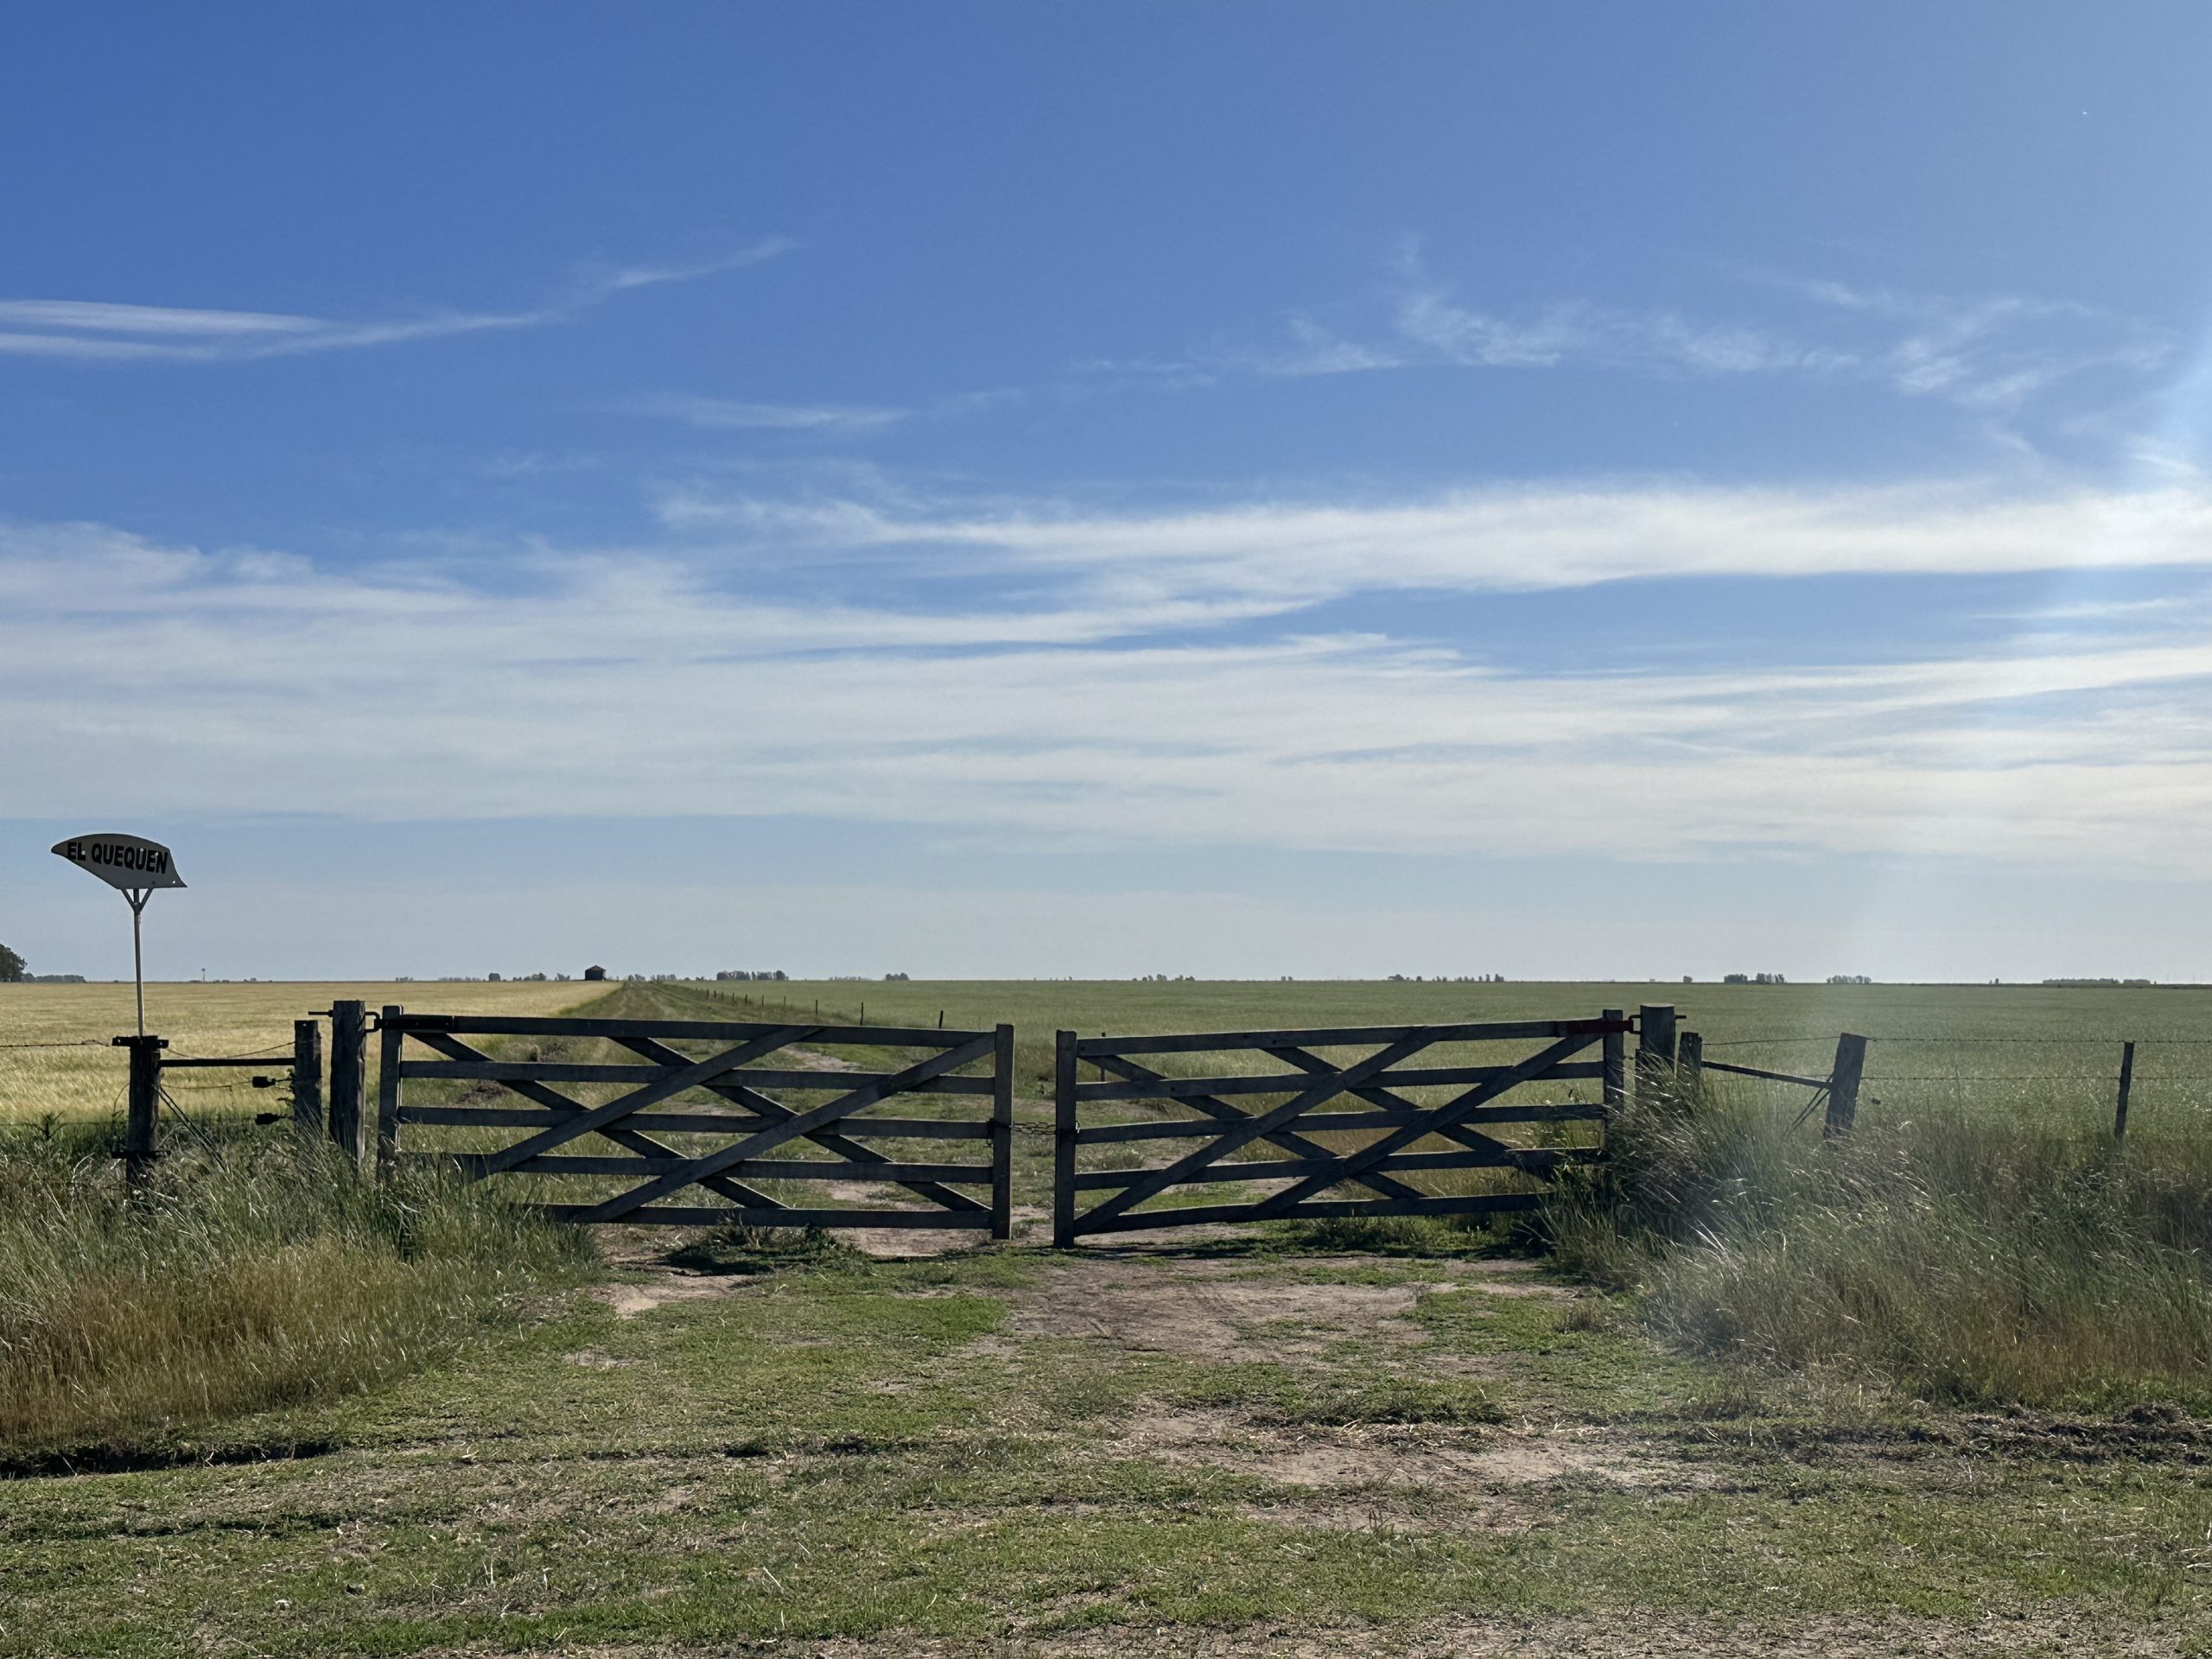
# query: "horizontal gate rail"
{"type": "Point", "coordinates": [1339, 1122]}
{"type": "Point", "coordinates": [1342, 1037]}
{"type": "Point", "coordinates": [1288, 1082]}
{"type": "Point", "coordinates": [725, 1105]}
{"type": "Point", "coordinates": [1307, 1101]}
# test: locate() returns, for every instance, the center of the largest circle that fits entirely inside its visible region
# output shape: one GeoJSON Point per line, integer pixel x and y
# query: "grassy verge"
{"type": "Point", "coordinates": [1954, 1255]}
{"type": "Point", "coordinates": [260, 1273]}
{"type": "Point", "coordinates": [1028, 1453]}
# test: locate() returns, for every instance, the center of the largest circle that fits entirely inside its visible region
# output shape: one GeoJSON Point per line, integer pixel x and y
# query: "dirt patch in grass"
{"type": "Point", "coordinates": [1382, 1513]}
{"type": "Point", "coordinates": [1456, 1460]}
{"type": "Point", "coordinates": [592, 1360]}
{"type": "Point", "coordinates": [630, 1300]}
{"type": "Point", "coordinates": [1208, 1310]}
{"type": "Point", "coordinates": [1350, 1457]}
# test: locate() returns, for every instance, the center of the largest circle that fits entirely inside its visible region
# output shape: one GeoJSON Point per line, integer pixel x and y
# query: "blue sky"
{"type": "Point", "coordinates": [1244, 489]}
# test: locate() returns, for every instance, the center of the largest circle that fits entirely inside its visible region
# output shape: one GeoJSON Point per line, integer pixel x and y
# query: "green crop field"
{"type": "Point", "coordinates": [2016, 1049]}
{"type": "Point", "coordinates": [2013, 1047]}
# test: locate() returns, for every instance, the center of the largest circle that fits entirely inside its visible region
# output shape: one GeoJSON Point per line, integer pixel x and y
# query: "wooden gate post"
{"type": "Point", "coordinates": [1843, 1084]}
{"type": "Point", "coordinates": [1064, 1126]}
{"type": "Point", "coordinates": [1654, 1048]}
{"type": "Point", "coordinates": [1689, 1062]}
{"type": "Point", "coordinates": [1615, 1085]}
{"type": "Point", "coordinates": [2127, 1082]}
{"type": "Point", "coordinates": [1001, 1131]}
{"type": "Point", "coordinates": [391, 1038]}
{"type": "Point", "coordinates": [307, 1078]}
{"type": "Point", "coordinates": [348, 1038]}
{"type": "Point", "coordinates": [143, 1112]}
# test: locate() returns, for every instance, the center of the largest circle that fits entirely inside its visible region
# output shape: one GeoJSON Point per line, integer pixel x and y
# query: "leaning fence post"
{"type": "Point", "coordinates": [143, 1112]}
{"type": "Point", "coordinates": [1690, 1062]}
{"type": "Point", "coordinates": [1001, 1133]}
{"type": "Point", "coordinates": [1063, 1128]}
{"type": "Point", "coordinates": [390, 1035]}
{"type": "Point", "coordinates": [1655, 1047]}
{"type": "Point", "coordinates": [348, 1037]}
{"type": "Point", "coordinates": [1614, 1089]}
{"type": "Point", "coordinates": [307, 1078]}
{"type": "Point", "coordinates": [1843, 1084]}
{"type": "Point", "coordinates": [2127, 1082]}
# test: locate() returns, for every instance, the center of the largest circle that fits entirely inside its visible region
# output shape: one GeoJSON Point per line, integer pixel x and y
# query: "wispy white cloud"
{"type": "Point", "coordinates": [1989, 354]}
{"type": "Point", "coordinates": [91, 316]}
{"type": "Point", "coordinates": [629, 277]}
{"type": "Point", "coordinates": [726, 414]}
{"type": "Point", "coordinates": [95, 332]}
{"type": "Point", "coordinates": [1290, 555]}
{"type": "Point", "coordinates": [563, 683]}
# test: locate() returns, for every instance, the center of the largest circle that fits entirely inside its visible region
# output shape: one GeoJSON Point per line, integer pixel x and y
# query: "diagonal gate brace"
{"type": "Point", "coordinates": [671, 1083]}
{"type": "Point", "coordinates": [768, 1106]}
{"type": "Point", "coordinates": [1443, 1118]}
{"type": "Point", "coordinates": [633, 1139]}
{"type": "Point", "coordinates": [793, 1129]}
{"type": "Point", "coordinates": [1215, 1107]}
{"type": "Point", "coordinates": [1241, 1134]}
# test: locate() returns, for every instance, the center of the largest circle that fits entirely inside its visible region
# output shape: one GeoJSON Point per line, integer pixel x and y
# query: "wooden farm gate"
{"type": "Point", "coordinates": [1370, 1144]}
{"type": "Point", "coordinates": [764, 1118]}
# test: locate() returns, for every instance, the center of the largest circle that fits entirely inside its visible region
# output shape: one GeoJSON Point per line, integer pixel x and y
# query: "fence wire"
{"type": "Point", "coordinates": [1973, 1042]}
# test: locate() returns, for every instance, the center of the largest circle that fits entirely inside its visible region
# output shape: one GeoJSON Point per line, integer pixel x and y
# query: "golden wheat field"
{"type": "Point", "coordinates": [55, 1057]}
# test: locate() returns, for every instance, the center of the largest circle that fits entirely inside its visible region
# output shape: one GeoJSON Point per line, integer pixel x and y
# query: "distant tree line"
{"type": "Point", "coordinates": [13, 969]}
{"type": "Point", "coordinates": [739, 973]}
{"type": "Point", "coordinates": [1753, 979]}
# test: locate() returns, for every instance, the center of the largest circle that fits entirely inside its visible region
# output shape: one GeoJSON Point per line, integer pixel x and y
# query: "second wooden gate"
{"type": "Point", "coordinates": [1372, 1145]}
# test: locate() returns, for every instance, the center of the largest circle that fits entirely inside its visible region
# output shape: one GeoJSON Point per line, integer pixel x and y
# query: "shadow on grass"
{"type": "Point", "coordinates": [1384, 1235]}
{"type": "Point", "coordinates": [746, 1252]}
{"type": "Point", "coordinates": [138, 1459]}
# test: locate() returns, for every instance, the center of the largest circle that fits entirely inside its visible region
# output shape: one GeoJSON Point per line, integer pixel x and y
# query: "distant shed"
{"type": "Point", "coordinates": [594, 972]}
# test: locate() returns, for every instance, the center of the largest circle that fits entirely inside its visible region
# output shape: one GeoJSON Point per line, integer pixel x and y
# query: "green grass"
{"type": "Point", "coordinates": [255, 1273]}
{"type": "Point", "coordinates": [1957, 1256]}
{"type": "Point", "coordinates": [845, 1448]}
{"type": "Point", "coordinates": [1952, 1371]}
{"type": "Point", "coordinates": [1997, 1038]}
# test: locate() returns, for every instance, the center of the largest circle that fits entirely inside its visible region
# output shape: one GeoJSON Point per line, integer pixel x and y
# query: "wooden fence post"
{"type": "Point", "coordinates": [2127, 1082]}
{"type": "Point", "coordinates": [1843, 1084]}
{"type": "Point", "coordinates": [1001, 1132]}
{"type": "Point", "coordinates": [1690, 1062]}
{"type": "Point", "coordinates": [307, 1078]}
{"type": "Point", "coordinates": [1064, 1126]}
{"type": "Point", "coordinates": [1654, 1048]}
{"type": "Point", "coordinates": [348, 1037]}
{"type": "Point", "coordinates": [1614, 1089]}
{"type": "Point", "coordinates": [143, 1113]}
{"type": "Point", "coordinates": [391, 1038]}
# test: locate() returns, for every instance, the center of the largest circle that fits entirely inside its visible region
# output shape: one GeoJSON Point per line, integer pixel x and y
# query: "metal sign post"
{"type": "Point", "coordinates": [135, 866]}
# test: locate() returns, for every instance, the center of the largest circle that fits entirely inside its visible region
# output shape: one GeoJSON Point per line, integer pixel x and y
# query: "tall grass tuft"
{"type": "Point", "coordinates": [1961, 1255]}
{"type": "Point", "coordinates": [259, 1273]}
